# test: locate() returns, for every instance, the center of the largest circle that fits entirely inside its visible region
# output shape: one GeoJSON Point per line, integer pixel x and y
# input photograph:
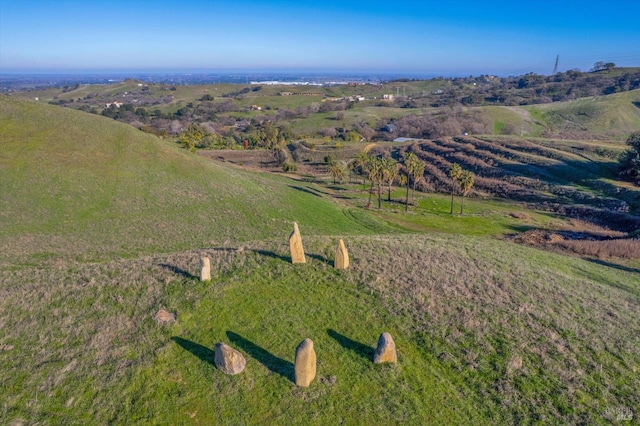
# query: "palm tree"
{"type": "Point", "coordinates": [467, 179]}
{"type": "Point", "coordinates": [415, 167]}
{"type": "Point", "coordinates": [404, 180]}
{"type": "Point", "coordinates": [360, 164]}
{"type": "Point", "coordinates": [454, 173]}
{"type": "Point", "coordinates": [336, 170]}
{"type": "Point", "coordinates": [374, 174]}
{"type": "Point", "coordinates": [389, 173]}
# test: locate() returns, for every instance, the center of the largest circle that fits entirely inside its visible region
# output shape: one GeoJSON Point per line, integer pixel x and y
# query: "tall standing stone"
{"type": "Point", "coordinates": [305, 365]}
{"type": "Point", "coordinates": [295, 244]}
{"type": "Point", "coordinates": [386, 351]}
{"type": "Point", "coordinates": [205, 269]}
{"type": "Point", "coordinates": [228, 360]}
{"type": "Point", "coordinates": [342, 256]}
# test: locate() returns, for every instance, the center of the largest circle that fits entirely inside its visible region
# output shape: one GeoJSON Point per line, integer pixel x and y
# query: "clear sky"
{"type": "Point", "coordinates": [445, 37]}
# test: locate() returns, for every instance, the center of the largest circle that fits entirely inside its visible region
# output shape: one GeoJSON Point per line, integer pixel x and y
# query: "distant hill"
{"type": "Point", "coordinates": [601, 117]}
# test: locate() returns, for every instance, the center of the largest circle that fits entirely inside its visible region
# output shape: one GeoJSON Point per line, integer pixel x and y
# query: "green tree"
{"type": "Point", "coordinates": [358, 166]}
{"type": "Point", "coordinates": [454, 173]}
{"type": "Point", "coordinates": [415, 167]}
{"type": "Point", "coordinates": [630, 160]}
{"type": "Point", "coordinates": [374, 173]}
{"type": "Point", "coordinates": [338, 171]}
{"type": "Point", "coordinates": [404, 180]}
{"type": "Point", "coordinates": [191, 136]}
{"type": "Point", "coordinates": [389, 172]}
{"type": "Point", "coordinates": [467, 180]}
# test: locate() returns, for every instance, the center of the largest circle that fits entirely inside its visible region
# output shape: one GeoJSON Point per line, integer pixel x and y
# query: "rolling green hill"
{"type": "Point", "coordinates": [601, 117]}
{"type": "Point", "coordinates": [101, 225]}
{"type": "Point", "coordinates": [76, 183]}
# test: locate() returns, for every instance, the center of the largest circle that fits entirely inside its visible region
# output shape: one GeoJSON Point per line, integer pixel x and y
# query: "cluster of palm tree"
{"type": "Point", "coordinates": [381, 170]}
{"type": "Point", "coordinates": [464, 179]}
{"type": "Point", "coordinates": [414, 170]}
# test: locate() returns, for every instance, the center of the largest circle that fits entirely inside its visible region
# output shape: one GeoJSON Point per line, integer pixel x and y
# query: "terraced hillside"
{"type": "Point", "coordinates": [577, 178]}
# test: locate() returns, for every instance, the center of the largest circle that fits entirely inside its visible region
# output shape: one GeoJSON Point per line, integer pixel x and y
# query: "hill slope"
{"type": "Point", "coordinates": [487, 331]}
{"type": "Point", "coordinates": [601, 117]}
{"type": "Point", "coordinates": [75, 183]}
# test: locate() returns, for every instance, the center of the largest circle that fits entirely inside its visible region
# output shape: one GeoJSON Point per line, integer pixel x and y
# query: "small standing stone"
{"type": "Point", "coordinates": [164, 317]}
{"type": "Point", "coordinates": [228, 360]}
{"type": "Point", "coordinates": [342, 256]}
{"type": "Point", "coordinates": [305, 365]}
{"type": "Point", "coordinates": [205, 269]}
{"type": "Point", "coordinates": [386, 351]}
{"type": "Point", "coordinates": [295, 244]}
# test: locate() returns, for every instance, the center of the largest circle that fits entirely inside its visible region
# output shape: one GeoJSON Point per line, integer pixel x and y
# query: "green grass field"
{"type": "Point", "coordinates": [101, 225]}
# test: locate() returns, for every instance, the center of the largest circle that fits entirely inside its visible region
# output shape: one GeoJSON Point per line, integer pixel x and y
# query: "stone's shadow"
{"type": "Point", "coordinates": [307, 190]}
{"type": "Point", "coordinates": [272, 362]}
{"type": "Point", "coordinates": [357, 347]}
{"type": "Point", "coordinates": [317, 257]}
{"type": "Point", "coordinates": [205, 354]}
{"type": "Point", "coordinates": [288, 258]}
{"type": "Point", "coordinates": [613, 265]}
{"type": "Point", "coordinates": [178, 271]}
{"type": "Point", "coordinates": [272, 254]}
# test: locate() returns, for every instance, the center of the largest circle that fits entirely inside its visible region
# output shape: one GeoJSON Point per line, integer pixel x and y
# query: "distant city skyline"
{"type": "Point", "coordinates": [403, 37]}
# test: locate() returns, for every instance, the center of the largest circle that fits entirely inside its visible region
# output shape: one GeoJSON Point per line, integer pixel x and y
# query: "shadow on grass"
{"type": "Point", "coordinates": [363, 350]}
{"type": "Point", "coordinates": [272, 254]}
{"type": "Point", "coordinates": [307, 190]}
{"type": "Point", "coordinates": [178, 271]}
{"type": "Point", "coordinates": [272, 362]}
{"type": "Point", "coordinates": [205, 354]}
{"type": "Point", "coordinates": [318, 257]}
{"type": "Point", "coordinates": [614, 265]}
{"type": "Point", "coordinates": [288, 258]}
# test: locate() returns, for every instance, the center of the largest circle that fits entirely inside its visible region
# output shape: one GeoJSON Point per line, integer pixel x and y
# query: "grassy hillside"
{"type": "Point", "coordinates": [102, 225]}
{"type": "Point", "coordinates": [487, 332]}
{"type": "Point", "coordinates": [80, 184]}
{"type": "Point", "coordinates": [601, 117]}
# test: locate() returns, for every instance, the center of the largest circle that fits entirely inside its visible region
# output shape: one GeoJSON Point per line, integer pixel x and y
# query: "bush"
{"type": "Point", "coordinates": [289, 167]}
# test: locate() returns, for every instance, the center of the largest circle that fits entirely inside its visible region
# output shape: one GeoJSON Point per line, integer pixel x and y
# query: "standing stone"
{"type": "Point", "coordinates": [228, 360]}
{"type": "Point", "coordinates": [305, 366]}
{"type": "Point", "coordinates": [295, 244]}
{"type": "Point", "coordinates": [386, 351]}
{"type": "Point", "coordinates": [205, 269]}
{"type": "Point", "coordinates": [342, 256]}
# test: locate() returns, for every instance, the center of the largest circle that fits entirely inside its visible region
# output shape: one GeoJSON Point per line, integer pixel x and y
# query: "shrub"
{"type": "Point", "coordinates": [289, 167]}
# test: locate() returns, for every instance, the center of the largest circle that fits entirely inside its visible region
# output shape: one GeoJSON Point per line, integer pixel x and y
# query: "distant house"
{"type": "Point", "coordinates": [390, 128]}
{"type": "Point", "coordinates": [388, 97]}
{"type": "Point", "coordinates": [115, 104]}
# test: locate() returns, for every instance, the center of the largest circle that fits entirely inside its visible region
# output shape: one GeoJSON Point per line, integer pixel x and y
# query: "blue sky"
{"type": "Point", "coordinates": [427, 37]}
